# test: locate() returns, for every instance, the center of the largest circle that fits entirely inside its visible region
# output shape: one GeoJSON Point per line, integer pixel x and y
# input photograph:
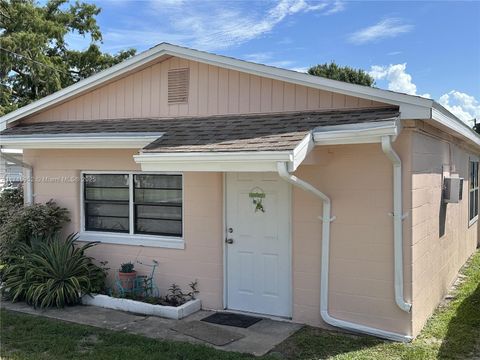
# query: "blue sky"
{"type": "Point", "coordinates": [417, 47]}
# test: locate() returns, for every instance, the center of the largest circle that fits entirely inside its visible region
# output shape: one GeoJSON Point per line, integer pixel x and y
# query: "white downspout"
{"type": "Point", "coordinates": [28, 171]}
{"type": "Point", "coordinates": [282, 168]}
{"type": "Point", "coordinates": [397, 222]}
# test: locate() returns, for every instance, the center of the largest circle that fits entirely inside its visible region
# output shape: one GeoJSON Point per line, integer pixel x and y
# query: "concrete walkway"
{"type": "Point", "coordinates": [257, 339]}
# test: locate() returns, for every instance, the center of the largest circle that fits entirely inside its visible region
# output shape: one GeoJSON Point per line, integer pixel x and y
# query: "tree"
{"type": "Point", "coordinates": [35, 59]}
{"type": "Point", "coordinates": [342, 73]}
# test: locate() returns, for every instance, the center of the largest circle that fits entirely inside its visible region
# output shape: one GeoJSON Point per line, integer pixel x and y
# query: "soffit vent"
{"type": "Point", "coordinates": [178, 85]}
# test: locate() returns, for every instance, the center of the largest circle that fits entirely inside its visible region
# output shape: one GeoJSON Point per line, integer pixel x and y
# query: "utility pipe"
{"type": "Point", "coordinates": [282, 168]}
{"type": "Point", "coordinates": [28, 172]}
{"type": "Point", "coordinates": [397, 222]}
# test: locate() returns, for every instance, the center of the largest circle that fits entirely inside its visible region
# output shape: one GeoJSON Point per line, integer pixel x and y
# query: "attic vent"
{"type": "Point", "coordinates": [178, 85]}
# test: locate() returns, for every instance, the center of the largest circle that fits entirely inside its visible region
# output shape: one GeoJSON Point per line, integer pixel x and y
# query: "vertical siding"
{"type": "Point", "coordinates": [212, 91]}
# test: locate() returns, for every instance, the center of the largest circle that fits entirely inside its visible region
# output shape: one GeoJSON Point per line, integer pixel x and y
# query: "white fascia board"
{"type": "Point", "coordinates": [165, 49]}
{"type": "Point", "coordinates": [363, 133]}
{"type": "Point", "coordinates": [443, 117]}
{"type": "Point", "coordinates": [79, 141]}
{"type": "Point", "coordinates": [219, 161]}
{"type": "Point", "coordinates": [301, 152]}
{"type": "Point", "coordinates": [296, 77]}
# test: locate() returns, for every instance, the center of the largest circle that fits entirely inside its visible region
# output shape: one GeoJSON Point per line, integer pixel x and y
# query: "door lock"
{"type": "Point", "coordinates": [229, 241]}
{"type": "Point", "coordinates": [230, 230]}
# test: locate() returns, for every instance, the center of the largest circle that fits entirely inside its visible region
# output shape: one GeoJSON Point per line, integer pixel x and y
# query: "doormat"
{"type": "Point", "coordinates": [214, 335]}
{"type": "Point", "coordinates": [229, 319]}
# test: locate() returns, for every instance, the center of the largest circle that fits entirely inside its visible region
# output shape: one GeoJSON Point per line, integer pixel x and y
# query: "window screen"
{"type": "Point", "coordinates": [156, 207]}
{"type": "Point", "coordinates": [106, 202]}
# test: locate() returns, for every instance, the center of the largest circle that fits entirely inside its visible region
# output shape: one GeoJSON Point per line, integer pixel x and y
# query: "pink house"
{"type": "Point", "coordinates": [284, 194]}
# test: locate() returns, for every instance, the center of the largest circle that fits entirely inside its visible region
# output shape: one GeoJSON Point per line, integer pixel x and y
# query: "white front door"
{"type": "Point", "coordinates": [258, 243]}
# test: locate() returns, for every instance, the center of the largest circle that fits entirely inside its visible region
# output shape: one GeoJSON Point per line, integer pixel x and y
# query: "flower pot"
{"type": "Point", "coordinates": [127, 280]}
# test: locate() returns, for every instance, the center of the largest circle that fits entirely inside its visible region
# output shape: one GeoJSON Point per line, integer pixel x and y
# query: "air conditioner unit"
{"type": "Point", "coordinates": [453, 189]}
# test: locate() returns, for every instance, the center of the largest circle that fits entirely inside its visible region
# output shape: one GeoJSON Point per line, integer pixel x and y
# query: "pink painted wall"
{"type": "Point", "coordinates": [437, 256]}
{"type": "Point", "coordinates": [358, 179]}
{"type": "Point", "coordinates": [203, 193]}
{"type": "Point", "coordinates": [212, 90]}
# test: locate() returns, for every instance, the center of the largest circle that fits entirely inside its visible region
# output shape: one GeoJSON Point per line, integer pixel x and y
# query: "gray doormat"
{"type": "Point", "coordinates": [209, 333]}
{"type": "Point", "coordinates": [229, 319]}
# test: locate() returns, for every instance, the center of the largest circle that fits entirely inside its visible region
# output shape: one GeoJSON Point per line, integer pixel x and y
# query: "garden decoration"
{"type": "Point", "coordinates": [257, 194]}
{"type": "Point", "coordinates": [140, 285]}
{"type": "Point", "coordinates": [145, 285]}
{"type": "Point", "coordinates": [126, 276]}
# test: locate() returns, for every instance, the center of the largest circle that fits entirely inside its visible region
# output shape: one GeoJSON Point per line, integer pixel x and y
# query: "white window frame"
{"type": "Point", "coordinates": [169, 242]}
{"type": "Point", "coordinates": [471, 160]}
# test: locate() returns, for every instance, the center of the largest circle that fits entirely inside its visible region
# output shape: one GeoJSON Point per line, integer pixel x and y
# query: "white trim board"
{"type": "Point", "coordinates": [79, 141]}
{"type": "Point", "coordinates": [253, 161]}
{"type": "Point", "coordinates": [365, 133]}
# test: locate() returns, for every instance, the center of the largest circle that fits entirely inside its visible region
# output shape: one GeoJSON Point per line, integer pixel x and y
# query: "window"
{"type": "Point", "coordinates": [143, 204]}
{"type": "Point", "coordinates": [158, 204]}
{"type": "Point", "coordinates": [473, 192]}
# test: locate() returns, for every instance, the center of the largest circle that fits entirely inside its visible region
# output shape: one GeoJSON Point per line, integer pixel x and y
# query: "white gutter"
{"type": "Point", "coordinates": [282, 169]}
{"type": "Point", "coordinates": [29, 173]}
{"type": "Point", "coordinates": [255, 161]}
{"type": "Point", "coordinates": [126, 140]}
{"type": "Point", "coordinates": [397, 222]}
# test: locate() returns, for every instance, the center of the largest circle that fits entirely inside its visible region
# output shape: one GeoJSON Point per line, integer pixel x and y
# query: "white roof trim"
{"type": "Point", "coordinates": [79, 141]}
{"type": "Point", "coordinates": [443, 117]}
{"type": "Point", "coordinates": [213, 161]}
{"type": "Point", "coordinates": [364, 133]}
{"type": "Point", "coordinates": [411, 107]}
{"type": "Point", "coordinates": [165, 49]}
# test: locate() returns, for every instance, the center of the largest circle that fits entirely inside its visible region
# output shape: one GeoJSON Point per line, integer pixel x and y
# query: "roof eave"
{"type": "Point", "coordinates": [252, 161]}
{"type": "Point", "coordinates": [357, 133]}
{"type": "Point", "coordinates": [79, 141]}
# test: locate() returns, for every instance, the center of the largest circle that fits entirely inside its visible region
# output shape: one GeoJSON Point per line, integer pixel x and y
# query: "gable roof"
{"type": "Point", "coordinates": [411, 107]}
{"type": "Point", "coordinates": [226, 133]}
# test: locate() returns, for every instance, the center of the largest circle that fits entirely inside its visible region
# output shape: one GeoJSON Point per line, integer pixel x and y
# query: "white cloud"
{"type": "Point", "coordinates": [397, 77]}
{"type": "Point", "coordinates": [462, 105]}
{"type": "Point", "coordinates": [210, 25]}
{"type": "Point", "coordinates": [337, 7]}
{"type": "Point", "coordinates": [227, 27]}
{"type": "Point", "coordinates": [300, 69]}
{"type": "Point", "coordinates": [268, 58]}
{"type": "Point", "coordinates": [387, 28]}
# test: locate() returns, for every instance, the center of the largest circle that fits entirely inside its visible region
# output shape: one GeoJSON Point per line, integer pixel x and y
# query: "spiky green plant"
{"type": "Point", "coordinates": [51, 273]}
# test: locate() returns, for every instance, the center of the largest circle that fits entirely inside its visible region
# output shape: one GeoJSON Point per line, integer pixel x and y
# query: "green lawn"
{"type": "Point", "coordinates": [452, 333]}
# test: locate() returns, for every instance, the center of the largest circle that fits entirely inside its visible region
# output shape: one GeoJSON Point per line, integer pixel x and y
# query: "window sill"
{"type": "Point", "coordinates": [133, 240]}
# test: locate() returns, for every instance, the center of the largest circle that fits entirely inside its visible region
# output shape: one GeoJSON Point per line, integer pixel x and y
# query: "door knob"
{"type": "Point", "coordinates": [229, 241]}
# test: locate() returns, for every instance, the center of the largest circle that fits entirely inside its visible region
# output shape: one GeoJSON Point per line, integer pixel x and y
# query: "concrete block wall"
{"type": "Point", "coordinates": [442, 239]}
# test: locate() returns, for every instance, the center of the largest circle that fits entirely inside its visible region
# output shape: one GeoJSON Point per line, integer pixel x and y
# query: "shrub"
{"type": "Point", "coordinates": [51, 273]}
{"type": "Point", "coordinates": [25, 223]}
{"type": "Point", "coordinates": [127, 268]}
{"type": "Point", "coordinates": [11, 200]}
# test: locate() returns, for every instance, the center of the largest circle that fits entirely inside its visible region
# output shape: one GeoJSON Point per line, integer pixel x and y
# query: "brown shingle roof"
{"type": "Point", "coordinates": [226, 133]}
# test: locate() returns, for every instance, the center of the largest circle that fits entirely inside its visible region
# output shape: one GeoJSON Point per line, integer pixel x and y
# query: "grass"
{"type": "Point", "coordinates": [452, 333]}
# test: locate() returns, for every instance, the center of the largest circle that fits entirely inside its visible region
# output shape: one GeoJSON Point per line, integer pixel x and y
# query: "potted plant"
{"type": "Point", "coordinates": [127, 275]}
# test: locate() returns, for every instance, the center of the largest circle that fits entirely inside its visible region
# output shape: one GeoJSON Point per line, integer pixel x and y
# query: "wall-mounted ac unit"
{"type": "Point", "coordinates": [453, 189]}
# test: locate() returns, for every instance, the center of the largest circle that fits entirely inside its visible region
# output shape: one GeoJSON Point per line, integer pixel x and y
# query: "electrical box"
{"type": "Point", "coordinates": [453, 189]}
